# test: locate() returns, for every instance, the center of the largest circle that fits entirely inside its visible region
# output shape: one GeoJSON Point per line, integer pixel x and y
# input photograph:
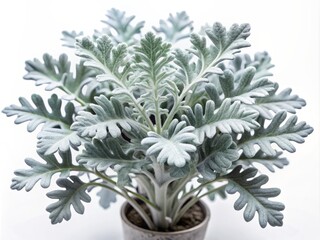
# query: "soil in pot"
{"type": "Point", "coordinates": [191, 218]}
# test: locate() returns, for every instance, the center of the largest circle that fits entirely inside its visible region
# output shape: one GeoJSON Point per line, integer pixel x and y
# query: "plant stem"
{"type": "Point", "coordinates": [213, 190]}
{"type": "Point", "coordinates": [140, 210]}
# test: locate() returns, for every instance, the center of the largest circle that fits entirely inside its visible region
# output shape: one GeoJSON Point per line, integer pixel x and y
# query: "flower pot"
{"type": "Point", "coordinates": [133, 232]}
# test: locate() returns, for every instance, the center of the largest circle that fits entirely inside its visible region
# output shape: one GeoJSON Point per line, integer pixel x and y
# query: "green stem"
{"type": "Point", "coordinates": [106, 186]}
{"type": "Point", "coordinates": [213, 191]}
{"type": "Point", "coordinates": [140, 211]}
{"type": "Point", "coordinates": [79, 100]}
{"type": "Point", "coordinates": [184, 209]}
{"type": "Point", "coordinates": [142, 198]}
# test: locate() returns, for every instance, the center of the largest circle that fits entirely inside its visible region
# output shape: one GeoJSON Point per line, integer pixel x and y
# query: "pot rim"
{"type": "Point", "coordinates": [201, 203]}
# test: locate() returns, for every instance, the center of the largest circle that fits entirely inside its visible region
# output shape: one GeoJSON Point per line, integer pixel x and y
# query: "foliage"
{"type": "Point", "coordinates": [142, 119]}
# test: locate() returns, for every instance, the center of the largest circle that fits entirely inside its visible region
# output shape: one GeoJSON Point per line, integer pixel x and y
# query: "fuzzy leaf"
{"type": "Point", "coordinates": [51, 140]}
{"type": "Point", "coordinates": [246, 90]}
{"type": "Point", "coordinates": [225, 45]}
{"type": "Point", "coordinates": [279, 131]}
{"type": "Point", "coordinates": [179, 172]}
{"type": "Point", "coordinates": [176, 27]}
{"type": "Point", "coordinates": [40, 115]}
{"type": "Point", "coordinates": [268, 161]}
{"type": "Point", "coordinates": [106, 197]}
{"type": "Point", "coordinates": [255, 198]}
{"type": "Point", "coordinates": [106, 153]}
{"type": "Point", "coordinates": [282, 101]}
{"type": "Point", "coordinates": [221, 192]}
{"type": "Point", "coordinates": [103, 55]}
{"type": "Point", "coordinates": [218, 154]}
{"type": "Point", "coordinates": [109, 118]}
{"type": "Point", "coordinates": [230, 117]}
{"type": "Point", "coordinates": [175, 147]}
{"type": "Point", "coordinates": [186, 68]}
{"type": "Point", "coordinates": [152, 59]}
{"type": "Point", "coordinates": [125, 30]}
{"type": "Point", "coordinates": [57, 74]}
{"type": "Point", "coordinates": [69, 38]}
{"type": "Point", "coordinates": [74, 194]}
{"type": "Point", "coordinates": [229, 42]}
{"type": "Point", "coordinates": [42, 172]}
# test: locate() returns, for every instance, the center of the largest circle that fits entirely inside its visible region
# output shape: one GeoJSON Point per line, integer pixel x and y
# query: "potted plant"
{"type": "Point", "coordinates": [161, 125]}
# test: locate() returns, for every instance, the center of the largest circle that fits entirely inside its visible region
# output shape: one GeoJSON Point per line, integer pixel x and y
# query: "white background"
{"type": "Point", "coordinates": [288, 30]}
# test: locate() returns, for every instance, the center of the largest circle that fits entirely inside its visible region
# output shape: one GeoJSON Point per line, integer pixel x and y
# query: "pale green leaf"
{"type": "Point", "coordinates": [50, 140]}
{"type": "Point", "coordinates": [174, 148]}
{"type": "Point", "coordinates": [218, 154]}
{"type": "Point", "coordinates": [280, 131]}
{"type": "Point", "coordinates": [176, 27]}
{"type": "Point", "coordinates": [261, 158]}
{"type": "Point", "coordinates": [40, 115]}
{"type": "Point", "coordinates": [109, 118]}
{"type": "Point", "coordinates": [125, 30]}
{"type": "Point", "coordinates": [74, 194]}
{"type": "Point", "coordinates": [254, 198]}
{"type": "Point", "coordinates": [230, 117]}
{"type": "Point", "coordinates": [42, 172]}
{"type": "Point", "coordinates": [276, 102]}
{"type": "Point", "coordinates": [106, 197]}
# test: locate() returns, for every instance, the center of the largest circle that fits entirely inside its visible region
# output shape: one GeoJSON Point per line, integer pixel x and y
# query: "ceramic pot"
{"type": "Point", "coordinates": [133, 232]}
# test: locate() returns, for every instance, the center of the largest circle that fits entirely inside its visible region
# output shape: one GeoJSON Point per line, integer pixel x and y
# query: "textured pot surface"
{"type": "Point", "coordinates": [132, 232]}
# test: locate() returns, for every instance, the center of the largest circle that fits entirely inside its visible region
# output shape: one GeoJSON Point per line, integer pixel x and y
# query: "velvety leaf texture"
{"type": "Point", "coordinates": [175, 148]}
{"type": "Point", "coordinates": [103, 55]}
{"type": "Point", "coordinates": [126, 30]}
{"type": "Point", "coordinates": [42, 172]}
{"type": "Point", "coordinates": [52, 140]}
{"type": "Point", "coordinates": [177, 27]}
{"type": "Point", "coordinates": [246, 90]}
{"type": "Point", "coordinates": [268, 161]}
{"type": "Point", "coordinates": [230, 117]}
{"type": "Point", "coordinates": [254, 198]}
{"type": "Point", "coordinates": [147, 118]}
{"type": "Point", "coordinates": [106, 197]}
{"type": "Point", "coordinates": [218, 154]}
{"type": "Point", "coordinates": [74, 194]}
{"type": "Point", "coordinates": [39, 114]}
{"type": "Point", "coordinates": [274, 103]}
{"type": "Point", "coordinates": [104, 154]}
{"type": "Point", "coordinates": [109, 118]}
{"type": "Point", "coordinates": [280, 131]}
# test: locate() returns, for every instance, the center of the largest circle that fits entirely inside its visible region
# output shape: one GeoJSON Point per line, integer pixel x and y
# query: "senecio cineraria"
{"type": "Point", "coordinates": [154, 123]}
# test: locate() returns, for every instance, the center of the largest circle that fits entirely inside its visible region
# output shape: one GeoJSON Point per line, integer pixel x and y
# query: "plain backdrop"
{"type": "Point", "coordinates": [288, 30]}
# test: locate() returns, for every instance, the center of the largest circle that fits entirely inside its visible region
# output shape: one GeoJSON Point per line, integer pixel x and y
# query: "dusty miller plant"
{"type": "Point", "coordinates": [154, 123]}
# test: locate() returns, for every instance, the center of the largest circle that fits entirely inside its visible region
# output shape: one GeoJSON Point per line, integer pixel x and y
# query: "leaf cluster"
{"type": "Point", "coordinates": [143, 119]}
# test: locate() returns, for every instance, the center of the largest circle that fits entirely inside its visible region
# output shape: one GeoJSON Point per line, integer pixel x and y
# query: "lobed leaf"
{"type": "Point", "coordinates": [103, 154]}
{"type": "Point", "coordinates": [74, 194]}
{"type": "Point", "coordinates": [279, 131]}
{"type": "Point", "coordinates": [175, 147]}
{"type": "Point", "coordinates": [246, 90]}
{"type": "Point", "coordinates": [106, 197]}
{"type": "Point", "coordinates": [274, 103]}
{"type": "Point", "coordinates": [57, 74]}
{"type": "Point", "coordinates": [126, 30]}
{"type": "Point", "coordinates": [230, 117]}
{"type": "Point", "coordinates": [268, 161]}
{"type": "Point", "coordinates": [254, 198]}
{"type": "Point", "coordinates": [101, 54]}
{"type": "Point", "coordinates": [42, 172]}
{"type": "Point", "coordinates": [40, 115]}
{"type": "Point", "coordinates": [176, 27]}
{"type": "Point", "coordinates": [51, 140]}
{"type": "Point", "coordinates": [109, 117]}
{"type": "Point", "coordinates": [218, 154]}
